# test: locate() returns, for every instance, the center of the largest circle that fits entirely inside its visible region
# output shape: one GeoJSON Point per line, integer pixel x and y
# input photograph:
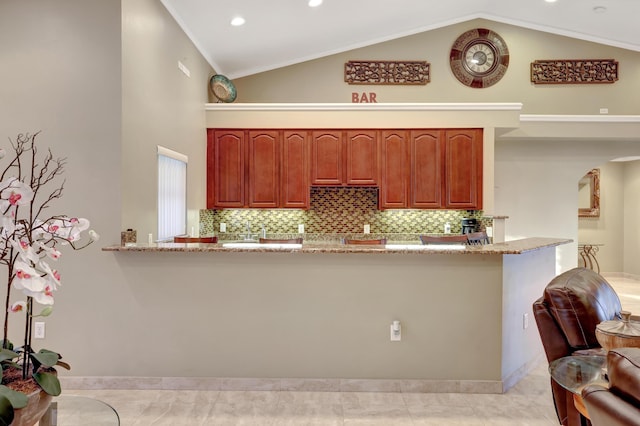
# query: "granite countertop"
{"type": "Point", "coordinates": [410, 247]}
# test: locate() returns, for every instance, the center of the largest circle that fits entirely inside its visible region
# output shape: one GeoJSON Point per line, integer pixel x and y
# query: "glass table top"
{"type": "Point", "coordinates": [575, 372]}
{"type": "Point", "coordinates": [74, 410]}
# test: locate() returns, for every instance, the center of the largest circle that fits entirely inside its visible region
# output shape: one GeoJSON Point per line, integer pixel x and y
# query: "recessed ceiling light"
{"type": "Point", "coordinates": [237, 21]}
{"type": "Point", "coordinates": [599, 9]}
{"type": "Point", "coordinates": [550, 1]}
{"type": "Point", "coordinates": [315, 3]}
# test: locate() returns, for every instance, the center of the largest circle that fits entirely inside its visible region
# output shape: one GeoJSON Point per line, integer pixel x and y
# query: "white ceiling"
{"type": "Point", "coordinates": [278, 33]}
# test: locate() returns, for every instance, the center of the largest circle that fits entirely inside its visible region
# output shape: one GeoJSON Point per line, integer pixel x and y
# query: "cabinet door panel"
{"type": "Point", "coordinates": [463, 169]}
{"type": "Point", "coordinates": [229, 168]}
{"type": "Point", "coordinates": [264, 161]}
{"type": "Point", "coordinates": [362, 157]}
{"type": "Point", "coordinates": [327, 159]}
{"type": "Point", "coordinates": [427, 156]}
{"type": "Point", "coordinates": [295, 170]}
{"type": "Point", "coordinates": [395, 173]}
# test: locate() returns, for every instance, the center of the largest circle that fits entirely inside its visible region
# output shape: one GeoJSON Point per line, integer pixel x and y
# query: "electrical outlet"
{"type": "Point", "coordinates": [223, 227]}
{"type": "Point", "coordinates": [367, 229]}
{"type": "Point", "coordinates": [525, 321]}
{"type": "Point", "coordinates": [604, 110]}
{"type": "Point", "coordinates": [396, 335]}
{"type": "Point", "coordinates": [301, 229]}
{"type": "Point", "coordinates": [38, 330]}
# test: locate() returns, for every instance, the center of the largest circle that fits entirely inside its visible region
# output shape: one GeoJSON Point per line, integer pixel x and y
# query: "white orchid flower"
{"type": "Point", "coordinates": [27, 278]}
{"type": "Point", "coordinates": [25, 251]}
{"type": "Point", "coordinates": [51, 275]}
{"type": "Point", "coordinates": [51, 252]}
{"type": "Point", "coordinates": [18, 306]}
{"type": "Point", "coordinates": [93, 235]}
{"type": "Point", "coordinates": [44, 297]}
{"type": "Point", "coordinates": [14, 193]}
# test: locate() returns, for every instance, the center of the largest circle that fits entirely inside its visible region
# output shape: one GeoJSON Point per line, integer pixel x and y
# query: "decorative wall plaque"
{"type": "Point", "coordinates": [386, 72]}
{"type": "Point", "coordinates": [574, 71]}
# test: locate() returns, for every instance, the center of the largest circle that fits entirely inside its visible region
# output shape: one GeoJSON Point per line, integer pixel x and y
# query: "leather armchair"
{"type": "Point", "coordinates": [619, 405]}
{"type": "Point", "coordinates": [572, 304]}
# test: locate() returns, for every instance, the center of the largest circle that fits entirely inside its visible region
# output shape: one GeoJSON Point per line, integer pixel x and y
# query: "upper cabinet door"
{"type": "Point", "coordinates": [294, 188]}
{"type": "Point", "coordinates": [362, 157]}
{"type": "Point", "coordinates": [227, 176]}
{"type": "Point", "coordinates": [395, 169]}
{"type": "Point", "coordinates": [327, 158]}
{"type": "Point", "coordinates": [463, 169]}
{"type": "Point", "coordinates": [427, 156]}
{"type": "Point", "coordinates": [264, 168]}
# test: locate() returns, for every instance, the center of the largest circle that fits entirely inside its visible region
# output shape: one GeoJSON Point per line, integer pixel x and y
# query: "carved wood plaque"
{"type": "Point", "coordinates": [386, 72]}
{"type": "Point", "coordinates": [574, 71]}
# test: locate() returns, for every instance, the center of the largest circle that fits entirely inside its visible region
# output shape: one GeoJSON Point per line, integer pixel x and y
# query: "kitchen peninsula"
{"type": "Point", "coordinates": [318, 317]}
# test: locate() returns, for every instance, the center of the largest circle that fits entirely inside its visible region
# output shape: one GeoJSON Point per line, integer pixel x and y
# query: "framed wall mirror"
{"type": "Point", "coordinates": [589, 194]}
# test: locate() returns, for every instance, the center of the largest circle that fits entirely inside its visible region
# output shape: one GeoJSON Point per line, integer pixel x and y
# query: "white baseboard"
{"type": "Point", "coordinates": [257, 384]}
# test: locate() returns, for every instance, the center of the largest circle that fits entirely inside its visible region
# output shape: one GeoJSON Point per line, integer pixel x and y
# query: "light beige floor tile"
{"type": "Point", "coordinates": [309, 414]}
{"type": "Point", "coordinates": [438, 415]}
{"type": "Point", "coordinates": [376, 415]}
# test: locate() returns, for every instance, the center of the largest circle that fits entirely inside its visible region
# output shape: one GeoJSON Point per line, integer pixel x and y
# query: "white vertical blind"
{"type": "Point", "coordinates": [172, 193]}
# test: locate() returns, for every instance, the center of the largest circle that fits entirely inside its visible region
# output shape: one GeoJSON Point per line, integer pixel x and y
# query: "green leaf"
{"type": "Point", "coordinates": [9, 345]}
{"type": "Point", "coordinates": [49, 383]}
{"type": "Point", "coordinates": [6, 354]}
{"type": "Point", "coordinates": [17, 399]}
{"type": "Point", "coordinates": [6, 411]}
{"type": "Point", "coordinates": [46, 358]}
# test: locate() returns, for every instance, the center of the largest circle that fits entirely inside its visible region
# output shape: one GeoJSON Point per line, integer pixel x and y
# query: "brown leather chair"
{"type": "Point", "coordinates": [618, 405]}
{"type": "Point", "coordinates": [572, 305]}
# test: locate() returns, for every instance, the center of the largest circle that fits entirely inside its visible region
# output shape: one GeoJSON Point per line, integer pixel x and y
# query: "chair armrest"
{"type": "Point", "coordinates": [606, 408]}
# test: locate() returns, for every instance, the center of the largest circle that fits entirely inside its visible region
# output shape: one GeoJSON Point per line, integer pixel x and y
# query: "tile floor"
{"type": "Point", "coordinates": [527, 403]}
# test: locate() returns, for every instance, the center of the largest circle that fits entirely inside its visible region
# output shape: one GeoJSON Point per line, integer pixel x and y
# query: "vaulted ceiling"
{"type": "Point", "coordinates": [278, 33]}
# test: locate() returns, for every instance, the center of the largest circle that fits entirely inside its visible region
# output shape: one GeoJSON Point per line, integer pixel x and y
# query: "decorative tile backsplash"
{"type": "Point", "coordinates": [339, 211]}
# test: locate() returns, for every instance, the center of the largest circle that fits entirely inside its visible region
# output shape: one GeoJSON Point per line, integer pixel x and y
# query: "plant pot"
{"type": "Point", "coordinates": [37, 405]}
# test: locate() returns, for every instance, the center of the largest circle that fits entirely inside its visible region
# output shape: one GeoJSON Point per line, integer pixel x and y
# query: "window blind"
{"type": "Point", "coordinates": [172, 193]}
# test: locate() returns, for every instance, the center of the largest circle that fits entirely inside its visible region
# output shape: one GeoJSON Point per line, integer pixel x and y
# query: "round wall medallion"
{"type": "Point", "coordinates": [479, 58]}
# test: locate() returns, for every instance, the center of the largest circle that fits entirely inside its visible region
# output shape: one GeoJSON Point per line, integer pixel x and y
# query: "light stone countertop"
{"type": "Point", "coordinates": [508, 247]}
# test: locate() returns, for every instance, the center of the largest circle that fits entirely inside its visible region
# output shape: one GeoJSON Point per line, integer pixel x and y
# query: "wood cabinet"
{"type": "Point", "coordinates": [344, 157]}
{"type": "Point", "coordinates": [463, 169]}
{"type": "Point", "coordinates": [257, 168]}
{"type": "Point", "coordinates": [417, 168]}
{"type": "Point", "coordinates": [394, 169]}
{"type": "Point", "coordinates": [264, 169]}
{"type": "Point", "coordinates": [431, 169]}
{"type": "Point", "coordinates": [362, 157]}
{"type": "Point", "coordinates": [294, 188]}
{"type": "Point", "coordinates": [427, 155]}
{"type": "Point", "coordinates": [226, 152]}
{"type": "Point", "coordinates": [327, 157]}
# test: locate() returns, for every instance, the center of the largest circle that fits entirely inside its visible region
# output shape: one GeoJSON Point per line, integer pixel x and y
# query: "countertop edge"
{"type": "Point", "coordinates": [519, 246]}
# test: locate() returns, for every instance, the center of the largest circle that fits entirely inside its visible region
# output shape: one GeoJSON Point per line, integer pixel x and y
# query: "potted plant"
{"type": "Point", "coordinates": [30, 239]}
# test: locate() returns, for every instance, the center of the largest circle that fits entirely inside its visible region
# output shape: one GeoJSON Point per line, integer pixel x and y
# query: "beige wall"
{"type": "Point", "coordinates": [160, 106]}
{"type": "Point", "coordinates": [609, 228]}
{"type": "Point", "coordinates": [322, 80]}
{"type": "Point", "coordinates": [61, 74]}
{"type": "Point", "coordinates": [630, 251]}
